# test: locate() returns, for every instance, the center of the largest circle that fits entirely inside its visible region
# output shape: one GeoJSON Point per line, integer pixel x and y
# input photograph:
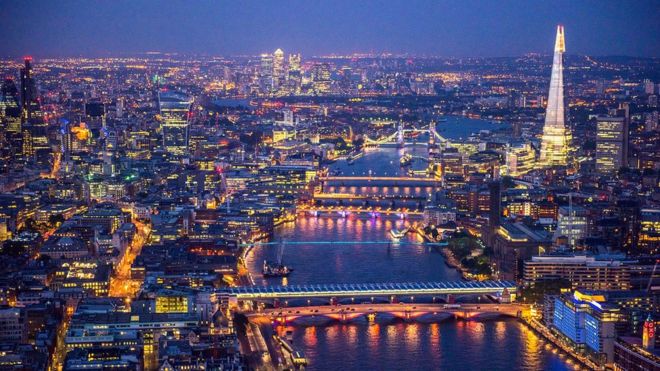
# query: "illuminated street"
{"type": "Point", "coordinates": [329, 185]}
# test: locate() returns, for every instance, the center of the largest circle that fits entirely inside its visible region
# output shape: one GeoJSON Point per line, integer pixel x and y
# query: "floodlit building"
{"type": "Point", "coordinates": [520, 160]}
{"type": "Point", "coordinates": [556, 136]}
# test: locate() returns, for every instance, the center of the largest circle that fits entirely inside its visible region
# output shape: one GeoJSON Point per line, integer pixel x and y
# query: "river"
{"type": "Point", "coordinates": [502, 344]}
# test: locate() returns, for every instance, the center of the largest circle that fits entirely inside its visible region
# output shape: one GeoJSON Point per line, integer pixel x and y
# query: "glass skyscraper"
{"type": "Point", "coordinates": [556, 137]}
{"type": "Point", "coordinates": [175, 114]}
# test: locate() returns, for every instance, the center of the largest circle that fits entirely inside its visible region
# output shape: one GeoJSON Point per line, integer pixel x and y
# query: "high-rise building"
{"type": "Point", "coordinates": [321, 78]}
{"type": "Point", "coordinates": [175, 115]}
{"type": "Point", "coordinates": [10, 109]}
{"type": "Point", "coordinates": [294, 78]}
{"type": "Point", "coordinates": [28, 90]}
{"type": "Point", "coordinates": [556, 136]}
{"type": "Point", "coordinates": [278, 68]}
{"type": "Point", "coordinates": [294, 62]}
{"type": "Point", "coordinates": [610, 153]}
{"type": "Point", "coordinates": [35, 143]}
{"type": "Point", "coordinates": [266, 73]}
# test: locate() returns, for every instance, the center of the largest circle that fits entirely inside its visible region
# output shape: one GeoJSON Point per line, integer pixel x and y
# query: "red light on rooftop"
{"type": "Point", "coordinates": [28, 58]}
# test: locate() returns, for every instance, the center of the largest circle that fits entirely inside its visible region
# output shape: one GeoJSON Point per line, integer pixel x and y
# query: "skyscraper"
{"type": "Point", "coordinates": [35, 142]}
{"type": "Point", "coordinates": [278, 68]}
{"type": "Point", "coordinates": [10, 109]}
{"type": "Point", "coordinates": [294, 62]}
{"type": "Point", "coordinates": [294, 78]}
{"type": "Point", "coordinates": [556, 137]}
{"type": "Point", "coordinates": [266, 73]}
{"type": "Point", "coordinates": [28, 90]}
{"type": "Point", "coordinates": [610, 144]}
{"type": "Point", "coordinates": [175, 115]}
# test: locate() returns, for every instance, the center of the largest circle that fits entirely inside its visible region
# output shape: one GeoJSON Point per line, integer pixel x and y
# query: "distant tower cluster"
{"type": "Point", "coordinates": [276, 77]}
{"type": "Point", "coordinates": [556, 136]}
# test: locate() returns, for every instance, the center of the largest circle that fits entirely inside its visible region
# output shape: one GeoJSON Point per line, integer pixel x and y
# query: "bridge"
{"type": "Point", "coordinates": [372, 210]}
{"type": "Point", "coordinates": [380, 179]}
{"type": "Point", "coordinates": [398, 136]}
{"type": "Point", "coordinates": [385, 289]}
{"type": "Point", "coordinates": [350, 243]}
{"type": "Point", "coordinates": [366, 196]}
{"type": "Point", "coordinates": [406, 311]}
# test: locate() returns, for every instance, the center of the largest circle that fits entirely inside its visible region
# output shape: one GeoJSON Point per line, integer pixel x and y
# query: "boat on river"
{"type": "Point", "coordinates": [277, 269]}
{"type": "Point", "coordinates": [406, 160]}
{"type": "Point", "coordinates": [397, 234]}
{"type": "Point", "coordinates": [354, 156]}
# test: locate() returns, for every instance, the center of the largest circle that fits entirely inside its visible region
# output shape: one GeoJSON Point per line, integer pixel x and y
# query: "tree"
{"type": "Point", "coordinates": [536, 293]}
{"type": "Point", "coordinates": [30, 224]}
{"type": "Point", "coordinates": [56, 220]}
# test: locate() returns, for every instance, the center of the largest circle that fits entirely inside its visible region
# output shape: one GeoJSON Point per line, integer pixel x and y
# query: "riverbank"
{"type": "Point", "coordinates": [543, 331]}
{"type": "Point", "coordinates": [449, 258]}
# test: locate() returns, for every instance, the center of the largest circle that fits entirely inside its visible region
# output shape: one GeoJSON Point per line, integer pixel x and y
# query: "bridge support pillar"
{"type": "Point", "coordinates": [450, 299]}
{"type": "Point", "coordinates": [393, 299]}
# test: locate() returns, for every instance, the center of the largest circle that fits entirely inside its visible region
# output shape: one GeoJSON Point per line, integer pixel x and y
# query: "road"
{"type": "Point", "coordinates": [121, 284]}
{"type": "Point", "coordinates": [59, 353]}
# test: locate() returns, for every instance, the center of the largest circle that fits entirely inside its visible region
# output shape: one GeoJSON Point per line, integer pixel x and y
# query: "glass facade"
{"type": "Point", "coordinates": [174, 112]}
{"type": "Point", "coordinates": [609, 144]}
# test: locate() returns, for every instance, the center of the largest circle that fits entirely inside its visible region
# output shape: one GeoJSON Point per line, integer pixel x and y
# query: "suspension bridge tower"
{"type": "Point", "coordinates": [399, 134]}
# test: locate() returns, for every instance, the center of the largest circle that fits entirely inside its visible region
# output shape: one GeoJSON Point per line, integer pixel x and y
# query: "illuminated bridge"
{"type": "Point", "coordinates": [345, 210]}
{"type": "Point", "coordinates": [398, 136]}
{"type": "Point", "coordinates": [380, 178]}
{"type": "Point", "coordinates": [406, 311]}
{"type": "Point", "coordinates": [370, 289]}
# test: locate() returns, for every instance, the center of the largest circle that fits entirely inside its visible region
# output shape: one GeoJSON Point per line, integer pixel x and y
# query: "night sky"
{"type": "Point", "coordinates": [443, 28]}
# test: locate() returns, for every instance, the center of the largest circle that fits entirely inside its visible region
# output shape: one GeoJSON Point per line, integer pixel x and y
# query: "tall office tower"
{"type": "Point", "coordinates": [624, 111]}
{"type": "Point", "coordinates": [266, 73]}
{"type": "Point", "coordinates": [28, 91]}
{"type": "Point", "coordinates": [294, 78]}
{"type": "Point", "coordinates": [610, 144]}
{"type": "Point", "coordinates": [175, 118]}
{"type": "Point", "coordinates": [36, 146]}
{"type": "Point", "coordinates": [556, 137]}
{"type": "Point", "coordinates": [10, 109]}
{"type": "Point", "coordinates": [278, 68]}
{"type": "Point", "coordinates": [294, 62]}
{"type": "Point", "coordinates": [8, 96]}
{"type": "Point", "coordinates": [321, 78]}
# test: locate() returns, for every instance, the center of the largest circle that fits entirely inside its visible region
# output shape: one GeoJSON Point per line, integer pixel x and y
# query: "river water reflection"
{"type": "Point", "coordinates": [502, 344]}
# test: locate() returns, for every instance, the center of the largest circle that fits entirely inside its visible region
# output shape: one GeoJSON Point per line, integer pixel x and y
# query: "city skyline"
{"type": "Point", "coordinates": [281, 211]}
{"type": "Point", "coordinates": [444, 29]}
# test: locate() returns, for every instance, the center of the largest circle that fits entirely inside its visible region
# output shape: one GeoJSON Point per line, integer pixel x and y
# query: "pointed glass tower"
{"type": "Point", "coordinates": [556, 137]}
